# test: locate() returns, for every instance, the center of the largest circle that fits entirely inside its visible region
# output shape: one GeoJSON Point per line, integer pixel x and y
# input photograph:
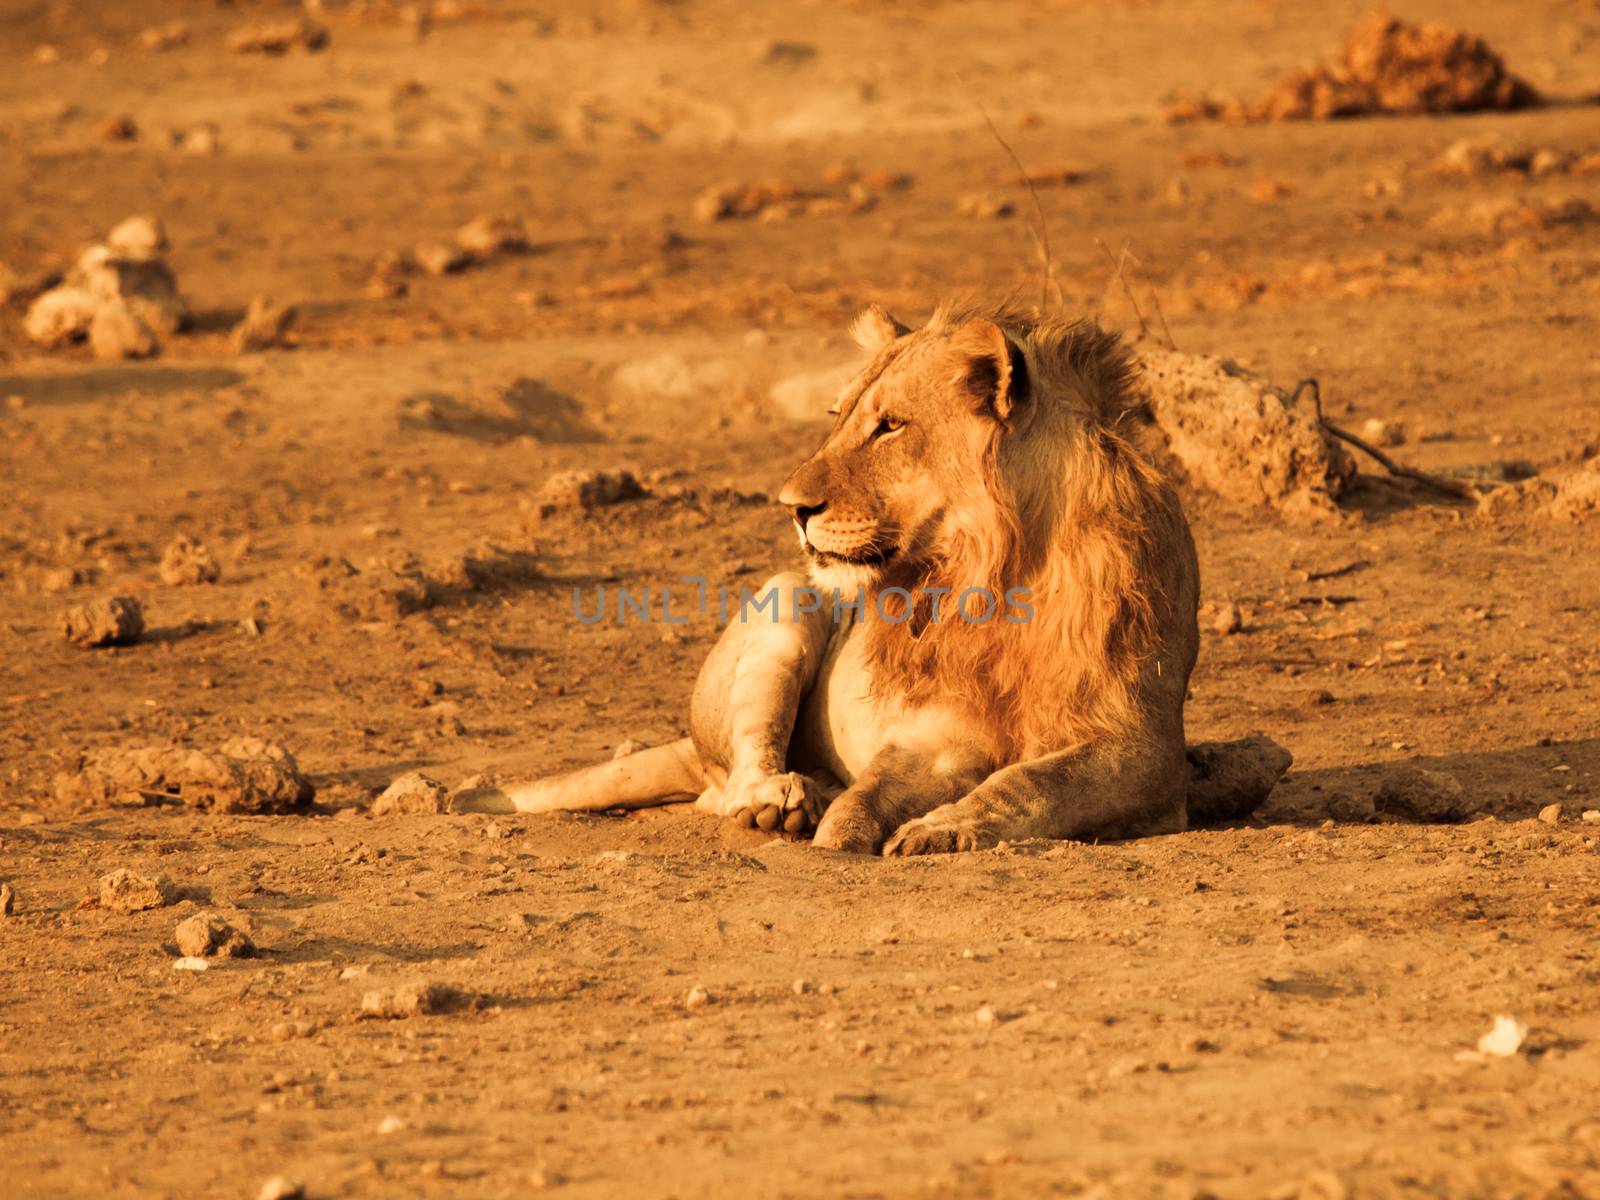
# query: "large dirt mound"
{"type": "Point", "coordinates": [1388, 67]}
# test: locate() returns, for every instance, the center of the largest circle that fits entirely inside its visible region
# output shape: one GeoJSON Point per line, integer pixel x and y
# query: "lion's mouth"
{"type": "Point", "coordinates": [865, 558]}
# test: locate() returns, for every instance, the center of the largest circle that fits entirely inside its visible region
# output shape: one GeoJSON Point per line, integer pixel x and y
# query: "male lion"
{"type": "Point", "coordinates": [978, 466]}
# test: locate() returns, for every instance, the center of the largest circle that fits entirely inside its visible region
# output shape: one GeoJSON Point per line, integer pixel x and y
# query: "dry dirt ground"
{"type": "Point", "coordinates": [1287, 1007]}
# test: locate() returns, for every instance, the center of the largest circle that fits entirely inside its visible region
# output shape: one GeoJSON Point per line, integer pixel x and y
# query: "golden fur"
{"type": "Point", "coordinates": [1066, 507]}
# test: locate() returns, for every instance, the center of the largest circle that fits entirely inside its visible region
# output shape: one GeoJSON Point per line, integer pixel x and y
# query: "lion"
{"type": "Point", "coordinates": [995, 634]}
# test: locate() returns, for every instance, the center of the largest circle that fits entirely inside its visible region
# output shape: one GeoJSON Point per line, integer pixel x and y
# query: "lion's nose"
{"type": "Point", "coordinates": [804, 512]}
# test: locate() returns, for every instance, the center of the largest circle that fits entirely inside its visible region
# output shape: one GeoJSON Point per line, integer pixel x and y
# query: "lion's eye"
{"type": "Point", "coordinates": [888, 425]}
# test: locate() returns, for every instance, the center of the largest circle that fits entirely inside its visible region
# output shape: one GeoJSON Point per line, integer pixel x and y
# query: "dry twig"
{"type": "Point", "coordinates": [1446, 487]}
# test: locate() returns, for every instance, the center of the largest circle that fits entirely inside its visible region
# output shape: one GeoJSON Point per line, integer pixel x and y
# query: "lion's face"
{"type": "Point", "coordinates": [905, 453]}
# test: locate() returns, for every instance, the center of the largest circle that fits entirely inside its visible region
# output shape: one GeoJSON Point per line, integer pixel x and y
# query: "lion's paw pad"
{"type": "Point", "coordinates": [791, 802]}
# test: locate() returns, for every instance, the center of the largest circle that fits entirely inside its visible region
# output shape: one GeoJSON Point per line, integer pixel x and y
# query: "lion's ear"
{"type": "Point", "coordinates": [993, 372]}
{"type": "Point", "coordinates": [875, 328]}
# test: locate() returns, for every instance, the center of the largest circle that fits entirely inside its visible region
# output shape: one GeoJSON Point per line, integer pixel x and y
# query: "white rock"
{"type": "Point", "coordinates": [140, 238]}
{"type": "Point", "coordinates": [1505, 1038]}
{"type": "Point", "coordinates": [190, 963]}
{"type": "Point", "coordinates": [698, 997]}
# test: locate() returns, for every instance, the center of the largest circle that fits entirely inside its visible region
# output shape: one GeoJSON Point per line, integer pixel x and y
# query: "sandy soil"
{"type": "Point", "coordinates": [667, 1004]}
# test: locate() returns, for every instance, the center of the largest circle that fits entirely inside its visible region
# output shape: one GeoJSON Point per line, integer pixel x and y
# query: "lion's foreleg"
{"type": "Point", "coordinates": [745, 702]}
{"type": "Point", "coordinates": [900, 783]}
{"type": "Point", "coordinates": [1080, 793]}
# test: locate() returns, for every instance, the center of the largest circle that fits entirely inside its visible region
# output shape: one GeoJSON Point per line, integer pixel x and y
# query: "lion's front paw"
{"type": "Point", "coordinates": [924, 836]}
{"type": "Point", "coordinates": [788, 801]}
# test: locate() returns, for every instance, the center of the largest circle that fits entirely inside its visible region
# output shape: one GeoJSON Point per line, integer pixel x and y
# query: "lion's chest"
{"type": "Point", "coordinates": [839, 725]}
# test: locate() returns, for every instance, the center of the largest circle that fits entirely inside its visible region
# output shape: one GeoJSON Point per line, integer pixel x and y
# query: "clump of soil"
{"type": "Point", "coordinates": [413, 1000]}
{"type": "Point", "coordinates": [113, 621]}
{"type": "Point", "coordinates": [581, 490]}
{"type": "Point", "coordinates": [1229, 780]}
{"type": "Point", "coordinates": [120, 295]}
{"type": "Point", "coordinates": [187, 561]}
{"type": "Point", "coordinates": [128, 891]}
{"type": "Point", "coordinates": [777, 199]}
{"type": "Point", "coordinates": [264, 327]}
{"type": "Point", "coordinates": [412, 793]}
{"type": "Point", "coordinates": [1419, 794]}
{"type": "Point", "coordinates": [279, 37]}
{"type": "Point", "coordinates": [208, 935]}
{"type": "Point", "coordinates": [1242, 438]}
{"type": "Point", "coordinates": [244, 775]}
{"type": "Point", "coordinates": [1387, 67]}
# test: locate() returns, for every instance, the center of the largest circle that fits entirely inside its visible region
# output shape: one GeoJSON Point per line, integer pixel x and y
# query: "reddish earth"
{"type": "Point", "coordinates": [1286, 1007]}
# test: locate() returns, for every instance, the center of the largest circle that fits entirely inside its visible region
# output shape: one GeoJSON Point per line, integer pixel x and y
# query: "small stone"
{"type": "Point", "coordinates": [1505, 1037]}
{"type": "Point", "coordinates": [119, 128]}
{"type": "Point", "coordinates": [697, 997]}
{"type": "Point", "coordinates": [626, 747]}
{"type": "Point", "coordinates": [800, 987]}
{"type": "Point", "coordinates": [281, 1187]}
{"type": "Point", "coordinates": [1229, 619]}
{"type": "Point", "coordinates": [1423, 795]}
{"type": "Point", "coordinates": [413, 1000]}
{"type": "Point", "coordinates": [582, 490]}
{"type": "Point", "coordinates": [985, 206]}
{"type": "Point", "coordinates": [127, 891]}
{"type": "Point", "coordinates": [165, 37]}
{"type": "Point", "coordinates": [391, 1124]}
{"type": "Point", "coordinates": [264, 327]}
{"type": "Point", "coordinates": [986, 1016]}
{"type": "Point", "coordinates": [1381, 432]}
{"type": "Point", "coordinates": [1550, 814]}
{"type": "Point", "coordinates": [141, 238]}
{"type": "Point", "coordinates": [8, 900]}
{"type": "Point", "coordinates": [190, 963]}
{"type": "Point", "coordinates": [280, 37]}
{"type": "Point", "coordinates": [207, 935]}
{"type": "Point", "coordinates": [492, 234]}
{"type": "Point", "coordinates": [412, 793]}
{"type": "Point", "coordinates": [1591, 815]}
{"type": "Point", "coordinates": [439, 258]}
{"type": "Point", "coordinates": [203, 137]}
{"type": "Point", "coordinates": [187, 561]}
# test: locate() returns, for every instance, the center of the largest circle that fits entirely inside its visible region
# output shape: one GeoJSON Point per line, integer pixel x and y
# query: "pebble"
{"type": "Point", "coordinates": [281, 1187]}
{"type": "Point", "coordinates": [985, 206]}
{"type": "Point", "coordinates": [8, 900]}
{"type": "Point", "coordinates": [1381, 432]}
{"type": "Point", "coordinates": [1505, 1038]}
{"type": "Point", "coordinates": [1229, 619]}
{"type": "Point", "coordinates": [698, 997]}
{"type": "Point", "coordinates": [140, 238]}
{"type": "Point", "coordinates": [1550, 814]}
{"type": "Point", "coordinates": [985, 1016]}
{"type": "Point", "coordinates": [413, 1000]}
{"type": "Point", "coordinates": [187, 561]}
{"type": "Point", "coordinates": [190, 963]}
{"type": "Point", "coordinates": [439, 258]}
{"type": "Point", "coordinates": [264, 327]}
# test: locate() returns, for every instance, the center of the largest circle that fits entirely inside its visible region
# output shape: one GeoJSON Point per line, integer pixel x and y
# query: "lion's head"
{"type": "Point", "coordinates": [984, 451]}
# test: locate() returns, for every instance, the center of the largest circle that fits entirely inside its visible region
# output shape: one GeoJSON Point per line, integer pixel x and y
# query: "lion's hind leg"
{"type": "Point", "coordinates": [658, 775]}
